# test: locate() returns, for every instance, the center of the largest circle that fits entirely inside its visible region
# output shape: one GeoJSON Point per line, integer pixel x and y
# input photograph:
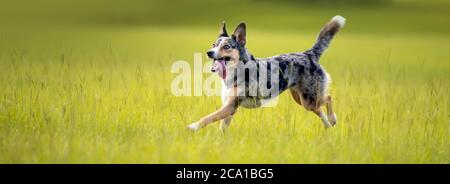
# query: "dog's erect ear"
{"type": "Point", "coordinates": [223, 30]}
{"type": "Point", "coordinates": [240, 34]}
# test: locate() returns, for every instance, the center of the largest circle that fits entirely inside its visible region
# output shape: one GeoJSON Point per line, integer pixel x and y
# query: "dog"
{"type": "Point", "coordinates": [300, 72]}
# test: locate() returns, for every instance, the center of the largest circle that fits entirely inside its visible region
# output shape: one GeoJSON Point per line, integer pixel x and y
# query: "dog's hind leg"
{"type": "Point", "coordinates": [331, 115]}
{"type": "Point", "coordinates": [316, 110]}
{"type": "Point", "coordinates": [322, 116]}
{"type": "Point", "coordinates": [295, 96]}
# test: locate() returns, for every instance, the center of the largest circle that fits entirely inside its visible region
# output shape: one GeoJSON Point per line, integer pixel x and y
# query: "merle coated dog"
{"type": "Point", "coordinates": [241, 73]}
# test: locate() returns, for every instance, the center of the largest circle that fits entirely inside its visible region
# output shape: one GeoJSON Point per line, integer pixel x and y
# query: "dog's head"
{"type": "Point", "coordinates": [227, 50]}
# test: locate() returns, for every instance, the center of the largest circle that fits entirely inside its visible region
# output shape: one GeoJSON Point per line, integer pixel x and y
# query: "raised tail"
{"type": "Point", "coordinates": [326, 34]}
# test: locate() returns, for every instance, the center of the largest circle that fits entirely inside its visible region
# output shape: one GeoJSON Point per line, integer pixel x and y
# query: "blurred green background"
{"type": "Point", "coordinates": [89, 82]}
{"type": "Point", "coordinates": [380, 16]}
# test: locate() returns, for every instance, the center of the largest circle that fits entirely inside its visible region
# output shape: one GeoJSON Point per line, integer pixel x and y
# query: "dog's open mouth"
{"type": "Point", "coordinates": [223, 59]}
{"type": "Point", "coordinates": [219, 65]}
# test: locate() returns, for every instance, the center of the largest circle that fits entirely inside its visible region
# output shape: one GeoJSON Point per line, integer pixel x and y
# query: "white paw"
{"type": "Point", "coordinates": [194, 126]}
{"type": "Point", "coordinates": [333, 119]}
{"type": "Point", "coordinates": [325, 121]}
{"type": "Point", "coordinates": [327, 125]}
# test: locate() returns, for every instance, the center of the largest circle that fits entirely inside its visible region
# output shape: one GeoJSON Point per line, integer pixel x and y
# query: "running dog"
{"type": "Point", "coordinates": [242, 76]}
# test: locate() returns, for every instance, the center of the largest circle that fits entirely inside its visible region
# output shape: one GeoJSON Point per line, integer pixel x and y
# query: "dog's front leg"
{"type": "Point", "coordinates": [225, 124]}
{"type": "Point", "coordinates": [227, 110]}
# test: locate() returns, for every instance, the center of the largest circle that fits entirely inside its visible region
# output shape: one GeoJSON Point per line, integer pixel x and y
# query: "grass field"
{"type": "Point", "coordinates": [94, 87]}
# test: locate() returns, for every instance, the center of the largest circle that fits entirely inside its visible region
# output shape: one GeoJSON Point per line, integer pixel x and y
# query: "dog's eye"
{"type": "Point", "coordinates": [226, 47]}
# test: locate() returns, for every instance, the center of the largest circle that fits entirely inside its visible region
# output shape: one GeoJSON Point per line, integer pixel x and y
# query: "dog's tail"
{"type": "Point", "coordinates": [326, 34]}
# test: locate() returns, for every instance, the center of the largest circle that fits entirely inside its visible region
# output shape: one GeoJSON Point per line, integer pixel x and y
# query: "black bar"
{"type": "Point", "coordinates": [249, 172]}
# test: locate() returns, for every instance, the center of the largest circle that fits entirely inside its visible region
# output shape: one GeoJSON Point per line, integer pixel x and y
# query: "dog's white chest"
{"type": "Point", "coordinates": [244, 101]}
{"type": "Point", "coordinates": [224, 92]}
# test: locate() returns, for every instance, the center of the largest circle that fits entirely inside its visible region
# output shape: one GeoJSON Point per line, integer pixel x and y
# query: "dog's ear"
{"type": "Point", "coordinates": [240, 34]}
{"type": "Point", "coordinates": [223, 30]}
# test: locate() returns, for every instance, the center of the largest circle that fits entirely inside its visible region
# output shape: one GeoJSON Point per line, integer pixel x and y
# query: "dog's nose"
{"type": "Point", "coordinates": [210, 54]}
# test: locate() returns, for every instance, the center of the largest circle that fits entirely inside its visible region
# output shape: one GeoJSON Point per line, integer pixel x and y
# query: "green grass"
{"type": "Point", "coordinates": [101, 94]}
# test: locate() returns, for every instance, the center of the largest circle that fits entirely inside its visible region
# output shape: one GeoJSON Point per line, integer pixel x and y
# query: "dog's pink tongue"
{"type": "Point", "coordinates": [219, 66]}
